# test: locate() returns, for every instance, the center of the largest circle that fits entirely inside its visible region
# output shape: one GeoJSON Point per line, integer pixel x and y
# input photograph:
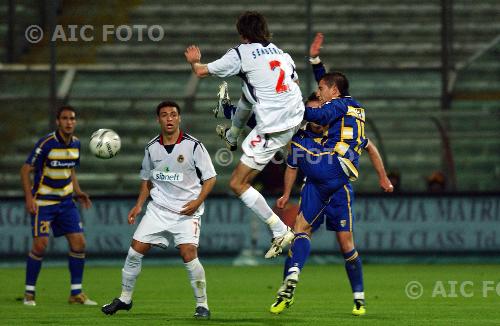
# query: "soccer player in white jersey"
{"type": "Point", "coordinates": [178, 174]}
{"type": "Point", "coordinates": [269, 84]}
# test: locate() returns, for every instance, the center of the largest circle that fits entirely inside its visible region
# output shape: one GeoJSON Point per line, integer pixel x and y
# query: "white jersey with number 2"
{"type": "Point", "coordinates": [268, 76]}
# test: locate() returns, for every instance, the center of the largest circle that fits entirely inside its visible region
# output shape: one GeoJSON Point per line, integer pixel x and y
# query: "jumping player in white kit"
{"type": "Point", "coordinates": [178, 174]}
{"type": "Point", "coordinates": [270, 90]}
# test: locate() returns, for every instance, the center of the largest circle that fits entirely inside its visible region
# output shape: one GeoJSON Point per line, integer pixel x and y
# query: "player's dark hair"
{"type": "Point", "coordinates": [168, 103]}
{"type": "Point", "coordinates": [252, 25]}
{"type": "Point", "coordinates": [338, 79]}
{"type": "Point", "coordinates": [312, 97]}
{"type": "Point", "coordinates": [64, 108]}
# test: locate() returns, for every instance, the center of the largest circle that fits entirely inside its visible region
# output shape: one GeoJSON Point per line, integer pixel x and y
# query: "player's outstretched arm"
{"type": "Point", "coordinates": [193, 57]}
{"type": "Point", "coordinates": [378, 164]}
{"type": "Point", "coordinates": [319, 69]}
{"type": "Point", "coordinates": [141, 199]}
{"type": "Point", "coordinates": [191, 207]}
{"type": "Point", "coordinates": [329, 112]}
{"type": "Point", "coordinates": [289, 180]}
{"type": "Point", "coordinates": [82, 197]}
{"type": "Point", "coordinates": [30, 202]}
{"type": "Point", "coordinates": [315, 48]}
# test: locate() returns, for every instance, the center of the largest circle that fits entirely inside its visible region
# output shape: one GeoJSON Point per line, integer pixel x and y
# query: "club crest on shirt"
{"type": "Point", "coordinates": [180, 158]}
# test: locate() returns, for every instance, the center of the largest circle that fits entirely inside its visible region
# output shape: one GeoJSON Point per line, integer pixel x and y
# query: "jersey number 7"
{"type": "Point", "coordinates": [280, 86]}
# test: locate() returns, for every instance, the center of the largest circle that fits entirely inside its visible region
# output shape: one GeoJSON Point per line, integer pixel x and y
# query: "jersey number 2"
{"type": "Point", "coordinates": [280, 86]}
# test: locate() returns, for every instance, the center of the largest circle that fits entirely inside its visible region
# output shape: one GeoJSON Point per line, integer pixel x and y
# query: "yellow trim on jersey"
{"type": "Point", "coordinates": [318, 140]}
{"type": "Point", "coordinates": [349, 208]}
{"type": "Point", "coordinates": [46, 140]}
{"type": "Point", "coordinates": [341, 148]}
{"type": "Point", "coordinates": [46, 190]}
{"type": "Point", "coordinates": [358, 113]}
{"type": "Point", "coordinates": [40, 148]}
{"type": "Point", "coordinates": [342, 130]}
{"type": "Point", "coordinates": [308, 151]}
{"type": "Point", "coordinates": [44, 202]}
{"type": "Point", "coordinates": [358, 140]}
{"type": "Point", "coordinates": [64, 154]}
{"type": "Point", "coordinates": [347, 132]}
{"type": "Point", "coordinates": [57, 173]}
{"type": "Point", "coordinates": [353, 172]}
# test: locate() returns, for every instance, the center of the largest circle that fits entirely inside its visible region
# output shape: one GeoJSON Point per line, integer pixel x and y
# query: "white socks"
{"type": "Point", "coordinates": [239, 119]}
{"type": "Point", "coordinates": [256, 202]}
{"type": "Point", "coordinates": [130, 271]}
{"type": "Point", "coordinates": [359, 295]}
{"type": "Point", "coordinates": [132, 268]}
{"type": "Point", "coordinates": [196, 275]}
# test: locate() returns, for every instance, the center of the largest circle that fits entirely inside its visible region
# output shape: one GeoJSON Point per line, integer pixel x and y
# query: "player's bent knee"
{"type": "Point", "coordinates": [40, 245]}
{"type": "Point", "coordinates": [301, 225]}
{"type": "Point", "coordinates": [78, 247]}
{"type": "Point", "coordinates": [346, 242]}
{"type": "Point", "coordinates": [77, 242]}
{"type": "Point", "coordinates": [303, 228]}
{"type": "Point", "coordinates": [188, 252]}
{"type": "Point", "coordinates": [236, 185]}
{"type": "Point", "coordinates": [140, 247]}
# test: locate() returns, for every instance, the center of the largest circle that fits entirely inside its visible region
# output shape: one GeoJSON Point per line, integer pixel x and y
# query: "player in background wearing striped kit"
{"type": "Point", "coordinates": [49, 200]}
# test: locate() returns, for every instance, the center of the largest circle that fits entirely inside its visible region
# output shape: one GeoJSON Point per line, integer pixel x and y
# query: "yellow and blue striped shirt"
{"type": "Point", "coordinates": [53, 162]}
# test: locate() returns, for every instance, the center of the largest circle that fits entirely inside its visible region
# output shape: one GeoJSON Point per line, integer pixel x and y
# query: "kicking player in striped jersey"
{"type": "Point", "coordinates": [49, 200]}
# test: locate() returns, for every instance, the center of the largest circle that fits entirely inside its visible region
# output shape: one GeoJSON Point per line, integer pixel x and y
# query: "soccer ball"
{"type": "Point", "coordinates": [105, 143]}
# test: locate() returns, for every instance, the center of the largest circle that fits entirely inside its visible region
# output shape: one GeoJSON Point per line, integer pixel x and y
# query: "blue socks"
{"type": "Point", "coordinates": [76, 262]}
{"type": "Point", "coordinates": [354, 271]}
{"type": "Point", "coordinates": [298, 253]}
{"type": "Point", "coordinates": [33, 266]}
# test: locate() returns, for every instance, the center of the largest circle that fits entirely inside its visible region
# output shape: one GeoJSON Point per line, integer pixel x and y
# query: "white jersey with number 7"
{"type": "Point", "coordinates": [268, 76]}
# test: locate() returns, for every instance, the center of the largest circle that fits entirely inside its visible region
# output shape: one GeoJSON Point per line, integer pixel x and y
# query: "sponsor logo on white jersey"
{"type": "Point", "coordinates": [167, 176]}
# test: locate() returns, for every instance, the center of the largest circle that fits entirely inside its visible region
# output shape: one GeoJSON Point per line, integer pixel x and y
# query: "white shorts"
{"type": "Point", "coordinates": [259, 149]}
{"type": "Point", "coordinates": [160, 223]}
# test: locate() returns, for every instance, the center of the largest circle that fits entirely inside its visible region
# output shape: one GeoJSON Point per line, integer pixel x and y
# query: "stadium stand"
{"type": "Point", "coordinates": [389, 50]}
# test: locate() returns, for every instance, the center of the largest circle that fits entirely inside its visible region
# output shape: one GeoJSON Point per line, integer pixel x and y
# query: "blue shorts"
{"type": "Point", "coordinates": [63, 218]}
{"type": "Point", "coordinates": [339, 214]}
{"type": "Point", "coordinates": [315, 202]}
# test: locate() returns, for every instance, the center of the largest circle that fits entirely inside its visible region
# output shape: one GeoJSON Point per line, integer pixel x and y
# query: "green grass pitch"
{"type": "Point", "coordinates": [242, 296]}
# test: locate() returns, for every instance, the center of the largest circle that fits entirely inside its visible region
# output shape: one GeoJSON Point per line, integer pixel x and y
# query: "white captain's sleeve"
{"type": "Point", "coordinates": [146, 166]}
{"type": "Point", "coordinates": [228, 65]}
{"type": "Point", "coordinates": [203, 162]}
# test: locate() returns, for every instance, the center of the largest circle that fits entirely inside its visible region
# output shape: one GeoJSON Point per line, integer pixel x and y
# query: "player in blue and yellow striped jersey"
{"type": "Point", "coordinates": [49, 200]}
{"type": "Point", "coordinates": [328, 156]}
{"type": "Point", "coordinates": [326, 196]}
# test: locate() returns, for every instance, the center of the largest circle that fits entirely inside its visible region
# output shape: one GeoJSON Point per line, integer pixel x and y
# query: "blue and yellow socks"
{"type": "Point", "coordinates": [76, 263]}
{"type": "Point", "coordinates": [33, 266]}
{"type": "Point", "coordinates": [354, 271]}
